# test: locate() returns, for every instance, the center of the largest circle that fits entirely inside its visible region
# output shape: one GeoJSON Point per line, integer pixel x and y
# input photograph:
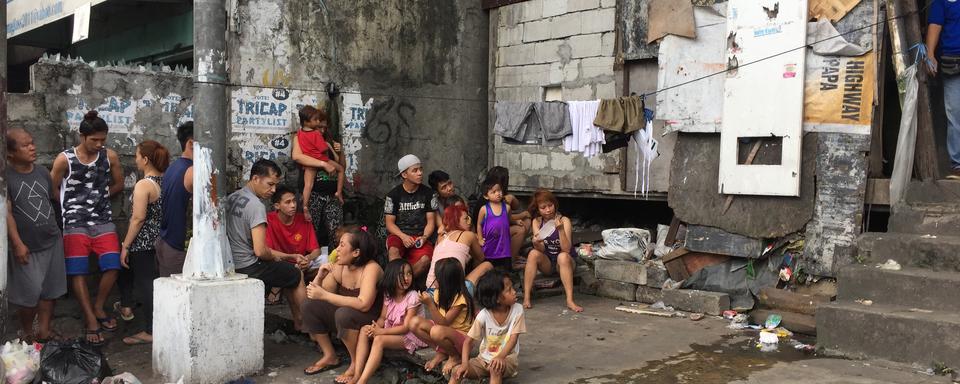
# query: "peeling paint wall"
{"type": "Point", "coordinates": [565, 44]}
{"type": "Point", "coordinates": [138, 103]}
{"type": "Point", "coordinates": [412, 77]}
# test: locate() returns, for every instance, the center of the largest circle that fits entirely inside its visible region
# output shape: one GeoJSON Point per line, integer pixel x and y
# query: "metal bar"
{"type": "Point", "coordinates": [210, 92]}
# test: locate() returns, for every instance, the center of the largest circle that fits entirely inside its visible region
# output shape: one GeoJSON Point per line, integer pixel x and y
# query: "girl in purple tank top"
{"type": "Point", "coordinates": [493, 225]}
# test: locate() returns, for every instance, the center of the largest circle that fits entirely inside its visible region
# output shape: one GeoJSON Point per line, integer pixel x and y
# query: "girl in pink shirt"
{"type": "Point", "coordinates": [392, 330]}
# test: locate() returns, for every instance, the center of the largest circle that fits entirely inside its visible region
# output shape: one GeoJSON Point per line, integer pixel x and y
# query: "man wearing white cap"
{"type": "Point", "coordinates": [409, 212]}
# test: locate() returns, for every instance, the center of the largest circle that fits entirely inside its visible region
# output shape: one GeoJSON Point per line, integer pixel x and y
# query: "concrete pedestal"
{"type": "Point", "coordinates": [207, 331]}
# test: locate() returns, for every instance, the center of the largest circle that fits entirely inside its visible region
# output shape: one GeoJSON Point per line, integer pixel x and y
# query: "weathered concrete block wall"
{"type": "Point", "coordinates": [555, 43]}
{"type": "Point", "coordinates": [412, 77]}
{"type": "Point", "coordinates": [137, 103]}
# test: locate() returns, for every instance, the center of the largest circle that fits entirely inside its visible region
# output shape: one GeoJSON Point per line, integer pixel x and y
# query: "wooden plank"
{"type": "Point", "coordinates": [795, 322]}
{"type": "Point", "coordinates": [875, 168]}
{"type": "Point", "coordinates": [765, 98]}
{"type": "Point", "coordinates": [676, 268]}
{"type": "Point", "coordinates": [672, 232]}
{"type": "Point", "coordinates": [878, 192]}
{"type": "Point", "coordinates": [753, 155]}
{"type": "Point", "coordinates": [907, 28]}
{"type": "Point", "coordinates": [490, 4]}
{"type": "Point", "coordinates": [783, 300]}
{"type": "Point", "coordinates": [717, 241]}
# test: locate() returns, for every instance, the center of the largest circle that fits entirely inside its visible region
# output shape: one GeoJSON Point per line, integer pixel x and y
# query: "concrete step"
{"type": "Point", "coordinates": [889, 332]}
{"type": "Point", "coordinates": [934, 252]}
{"type": "Point", "coordinates": [930, 219]}
{"type": "Point", "coordinates": [909, 287]}
{"type": "Point", "coordinates": [941, 192]}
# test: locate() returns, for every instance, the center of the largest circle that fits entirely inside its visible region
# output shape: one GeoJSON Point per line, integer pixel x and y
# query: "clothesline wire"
{"type": "Point", "coordinates": [688, 82]}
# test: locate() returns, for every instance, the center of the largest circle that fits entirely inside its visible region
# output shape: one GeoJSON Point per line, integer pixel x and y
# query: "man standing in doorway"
{"type": "Point", "coordinates": [944, 33]}
{"type": "Point", "coordinates": [177, 192]}
{"type": "Point", "coordinates": [410, 214]}
{"type": "Point", "coordinates": [246, 226]}
{"type": "Point", "coordinates": [85, 177]}
{"type": "Point", "coordinates": [37, 272]}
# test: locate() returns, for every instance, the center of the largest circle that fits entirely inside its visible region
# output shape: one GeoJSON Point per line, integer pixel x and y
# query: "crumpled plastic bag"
{"type": "Point", "coordinates": [72, 362]}
{"type": "Point", "coordinates": [624, 244]}
{"type": "Point", "coordinates": [20, 361]}
{"type": "Point", "coordinates": [123, 378]}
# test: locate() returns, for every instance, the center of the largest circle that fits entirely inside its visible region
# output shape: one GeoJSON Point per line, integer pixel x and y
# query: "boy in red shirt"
{"type": "Point", "coordinates": [311, 139]}
{"type": "Point", "coordinates": [289, 232]}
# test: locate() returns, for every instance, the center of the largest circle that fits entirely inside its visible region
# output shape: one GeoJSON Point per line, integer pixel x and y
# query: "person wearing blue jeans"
{"type": "Point", "coordinates": [943, 32]}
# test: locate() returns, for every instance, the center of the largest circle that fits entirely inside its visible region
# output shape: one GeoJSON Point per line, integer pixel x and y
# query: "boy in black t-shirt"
{"type": "Point", "coordinates": [409, 212]}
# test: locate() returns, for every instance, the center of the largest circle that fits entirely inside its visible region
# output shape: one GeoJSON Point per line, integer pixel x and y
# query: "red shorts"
{"type": "Point", "coordinates": [413, 255]}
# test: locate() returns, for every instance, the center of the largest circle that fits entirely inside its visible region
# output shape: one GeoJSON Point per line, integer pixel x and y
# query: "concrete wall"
{"type": "Point", "coordinates": [565, 43]}
{"type": "Point", "coordinates": [138, 103]}
{"type": "Point", "coordinates": [412, 76]}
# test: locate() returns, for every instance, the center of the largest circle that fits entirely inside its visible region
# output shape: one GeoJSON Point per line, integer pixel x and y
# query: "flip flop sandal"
{"type": "Point", "coordinates": [54, 336]}
{"type": "Point", "coordinates": [117, 307]}
{"type": "Point", "coordinates": [324, 369]}
{"type": "Point", "coordinates": [96, 332]}
{"type": "Point", "coordinates": [103, 323]}
{"type": "Point", "coordinates": [135, 340]}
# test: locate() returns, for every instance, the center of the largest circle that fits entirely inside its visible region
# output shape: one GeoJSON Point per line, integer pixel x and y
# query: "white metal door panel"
{"type": "Point", "coordinates": [763, 93]}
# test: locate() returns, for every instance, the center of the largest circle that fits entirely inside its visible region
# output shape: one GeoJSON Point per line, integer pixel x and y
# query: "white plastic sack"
{"type": "Point", "coordinates": [662, 248]}
{"type": "Point", "coordinates": [907, 140]}
{"type": "Point", "coordinates": [21, 361]}
{"type": "Point", "coordinates": [624, 244]}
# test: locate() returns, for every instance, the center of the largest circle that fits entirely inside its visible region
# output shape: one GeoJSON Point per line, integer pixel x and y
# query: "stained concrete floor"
{"type": "Point", "coordinates": [601, 345]}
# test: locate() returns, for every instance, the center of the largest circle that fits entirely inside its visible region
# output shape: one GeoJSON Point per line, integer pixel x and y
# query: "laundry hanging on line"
{"type": "Point", "coordinates": [546, 123]}
{"type": "Point", "coordinates": [587, 138]}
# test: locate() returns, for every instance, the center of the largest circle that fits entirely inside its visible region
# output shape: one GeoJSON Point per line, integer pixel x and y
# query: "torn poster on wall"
{"type": "Point", "coordinates": [839, 91]}
{"type": "Point", "coordinates": [120, 113]}
{"type": "Point", "coordinates": [267, 111]}
{"type": "Point", "coordinates": [354, 122]}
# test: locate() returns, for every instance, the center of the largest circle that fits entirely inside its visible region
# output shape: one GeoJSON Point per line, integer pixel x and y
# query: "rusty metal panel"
{"type": "Point", "coordinates": [694, 108]}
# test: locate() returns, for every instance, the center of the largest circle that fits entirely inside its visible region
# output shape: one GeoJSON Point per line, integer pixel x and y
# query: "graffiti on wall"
{"type": "Point", "coordinates": [354, 120]}
{"type": "Point", "coordinates": [267, 111]}
{"type": "Point", "coordinates": [120, 113]}
{"type": "Point", "coordinates": [389, 120]}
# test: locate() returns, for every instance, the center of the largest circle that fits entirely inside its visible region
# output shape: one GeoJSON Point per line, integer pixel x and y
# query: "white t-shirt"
{"type": "Point", "coordinates": [493, 335]}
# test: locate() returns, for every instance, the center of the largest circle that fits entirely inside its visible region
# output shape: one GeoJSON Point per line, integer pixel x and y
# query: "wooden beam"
{"type": "Point", "coordinates": [489, 4]}
{"type": "Point", "coordinates": [906, 27]}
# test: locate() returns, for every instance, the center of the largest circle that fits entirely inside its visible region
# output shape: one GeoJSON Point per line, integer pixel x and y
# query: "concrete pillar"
{"type": "Point", "coordinates": [210, 103]}
{"type": "Point", "coordinates": [207, 332]}
{"type": "Point", "coordinates": [3, 164]}
{"type": "Point", "coordinates": [208, 322]}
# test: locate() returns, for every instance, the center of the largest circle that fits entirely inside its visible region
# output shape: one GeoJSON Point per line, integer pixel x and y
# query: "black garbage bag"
{"type": "Point", "coordinates": [71, 362]}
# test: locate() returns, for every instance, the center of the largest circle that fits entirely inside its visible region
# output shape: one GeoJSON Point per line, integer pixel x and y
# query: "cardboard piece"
{"type": "Point", "coordinates": [831, 9]}
{"type": "Point", "coordinates": [670, 17]}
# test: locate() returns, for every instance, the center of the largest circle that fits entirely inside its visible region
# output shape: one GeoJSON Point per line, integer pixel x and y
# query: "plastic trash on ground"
{"type": "Point", "coordinates": [768, 341]}
{"type": "Point", "coordinates": [661, 306]}
{"type": "Point", "coordinates": [773, 321]}
{"type": "Point", "coordinates": [20, 361]}
{"type": "Point", "coordinates": [72, 362]}
{"type": "Point", "coordinates": [890, 265]}
{"type": "Point", "coordinates": [624, 244]}
{"type": "Point", "coordinates": [123, 378]}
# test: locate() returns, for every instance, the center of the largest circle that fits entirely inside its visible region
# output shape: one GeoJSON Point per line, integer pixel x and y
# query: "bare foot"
{"type": "Point", "coordinates": [430, 365]}
{"type": "Point", "coordinates": [574, 307]}
{"type": "Point", "coordinates": [346, 377]}
{"type": "Point", "coordinates": [451, 363]}
{"type": "Point", "coordinates": [322, 365]}
{"type": "Point", "coordinates": [526, 304]}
